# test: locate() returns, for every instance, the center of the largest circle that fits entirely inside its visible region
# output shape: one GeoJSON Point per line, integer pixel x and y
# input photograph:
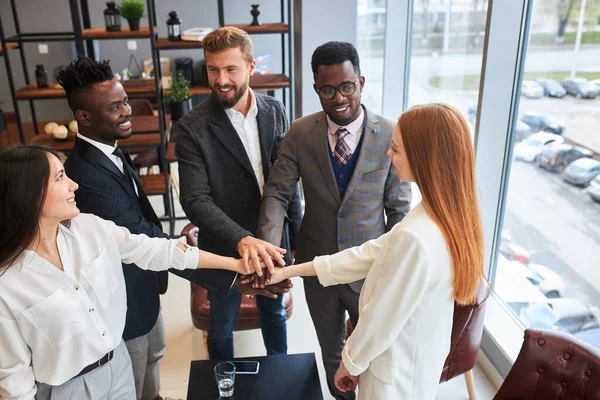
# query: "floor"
{"type": "Point", "coordinates": [184, 342]}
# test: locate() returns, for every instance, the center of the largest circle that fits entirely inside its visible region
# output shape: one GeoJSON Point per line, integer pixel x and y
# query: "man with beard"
{"type": "Point", "coordinates": [110, 189]}
{"type": "Point", "coordinates": [225, 148]}
{"type": "Point", "coordinates": [349, 187]}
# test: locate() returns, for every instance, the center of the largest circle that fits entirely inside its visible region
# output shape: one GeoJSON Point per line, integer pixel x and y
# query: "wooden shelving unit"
{"type": "Point", "coordinates": [124, 33]}
{"type": "Point", "coordinates": [9, 46]}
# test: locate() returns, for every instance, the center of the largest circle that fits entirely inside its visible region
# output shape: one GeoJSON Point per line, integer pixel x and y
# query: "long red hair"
{"type": "Point", "coordinates": [441, 156]}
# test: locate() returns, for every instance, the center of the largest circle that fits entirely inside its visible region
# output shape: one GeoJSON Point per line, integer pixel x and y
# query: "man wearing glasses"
{"type": "Point", "coordinates": [349, 185]}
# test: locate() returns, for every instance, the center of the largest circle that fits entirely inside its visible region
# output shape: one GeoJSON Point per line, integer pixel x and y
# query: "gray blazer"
{"type": "Point", "coordinates": [332, 223]}
{"type": "Point", "coordinates": [219, 191]}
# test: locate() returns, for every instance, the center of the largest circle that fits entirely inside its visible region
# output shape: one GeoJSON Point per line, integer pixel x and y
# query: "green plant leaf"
{"type": "Point", "coordinates": [131, 9]}
{"type": "Point", "coordinates": [178, 90]}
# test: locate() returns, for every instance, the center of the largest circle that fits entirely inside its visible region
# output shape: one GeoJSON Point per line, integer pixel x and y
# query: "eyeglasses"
{"type": "Point", "coordinates": [346, 89]}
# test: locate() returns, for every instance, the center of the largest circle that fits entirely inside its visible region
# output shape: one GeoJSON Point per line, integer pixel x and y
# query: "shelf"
{"type": "Point", "coordinates": [55, 91]}
{"type": "Point", "coordinates": [10, 46]}
{"type": "Point", "coordinates": [153, 184]}
{"type": "Point", "coordinates": [124, 33]}
{"type": "Point", "coordinates": [266, 28]}
{"type": "Point", "coordinates": [41, 37]}
{"type": "Point", "coordinates": [166, 44]}
{"type": "Point", "coordinates": [257, 82]}
{"type": "Point", "coordinates": [137, 140]}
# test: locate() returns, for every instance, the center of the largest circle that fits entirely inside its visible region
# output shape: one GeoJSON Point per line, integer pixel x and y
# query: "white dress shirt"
{"type": "Point", "coordinates": [54, 323]}
{"type": "Point", "coordinates": [247, 130]}
{"type": "Point", "coordinates": [354, 128]}
{"type": "Point", "coordinates": [108, 151]}
{"type": "Point", "coordinates": [406, 308]}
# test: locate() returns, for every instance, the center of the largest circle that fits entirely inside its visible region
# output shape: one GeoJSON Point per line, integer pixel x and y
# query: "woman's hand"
{"type": "Point", "coordinates": [344, 381]}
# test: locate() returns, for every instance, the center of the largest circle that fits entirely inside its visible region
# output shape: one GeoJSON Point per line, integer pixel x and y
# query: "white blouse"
{"type": "Point", "coordinates": [54, 323]}
{"type": "Point", "coordinates": [406, 307]}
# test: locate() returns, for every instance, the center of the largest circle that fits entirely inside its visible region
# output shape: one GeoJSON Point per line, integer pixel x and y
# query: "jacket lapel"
{"type": "Point", "coordinates": [364, 163]}
{"type": "Point", "coordinates": [91, 152]}
{"type": "Point", "coordinates": [321, 145]}
{"type": "Point", "coordinates": [224, 131]}
{"type": "Point", "coordinates": [265, 120]}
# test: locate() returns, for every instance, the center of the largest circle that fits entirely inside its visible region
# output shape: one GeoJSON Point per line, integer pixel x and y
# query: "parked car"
{"type": "Point", "coordinates": [547, 281]}
{"type": "Point", "coordinates": [532, 90]}
{"type": "Point", "coordinates": [597, 83]}
{"type": "Point", "coordinates": [529, 149]}
{"type": "Point", "coordinates": [581, 172]}
{"type": "Point", "coordinates": [551, 87]}
{"type": "Point", "coordinates": [564, 314]}
{"type": "Point", "coordinates": [522, 131]}
{"type": "Point", "coordinates": [594, 189]}
{"type": "Point", "coordinates": [580, 88]}
{"type": "Point", "coordinates": [591, 336]}
{"type": "Point", "coordinates": [542, 122]}
{"type": "Point", "coordinates": [556, 156]}
{"type": "Point", "coordinates": [511, 250]}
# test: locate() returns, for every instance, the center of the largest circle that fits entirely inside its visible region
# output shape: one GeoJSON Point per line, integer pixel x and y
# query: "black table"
{"type": "Point", "coordinates": [280, 377]}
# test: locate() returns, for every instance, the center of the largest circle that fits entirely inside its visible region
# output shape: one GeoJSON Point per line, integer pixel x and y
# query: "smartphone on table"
{"type": "Point", "coordinates": [246, 367]}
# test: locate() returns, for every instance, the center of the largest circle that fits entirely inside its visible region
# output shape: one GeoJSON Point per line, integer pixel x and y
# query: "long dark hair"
{"type": "Point", "coordinates": [24, 175]}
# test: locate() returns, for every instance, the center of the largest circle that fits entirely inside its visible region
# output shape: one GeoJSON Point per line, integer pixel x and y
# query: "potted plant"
{"type": "Point", "coordinates": [132, 11]}
{"type": "Point", "coordinates": [178, 97]}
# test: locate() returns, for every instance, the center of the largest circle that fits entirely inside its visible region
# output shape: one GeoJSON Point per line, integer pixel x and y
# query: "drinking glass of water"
{"type": "Point", "coordinates": [225, 376]}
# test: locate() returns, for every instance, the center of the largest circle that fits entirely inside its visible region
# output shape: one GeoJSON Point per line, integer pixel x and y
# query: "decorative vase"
{"type": "Point", "coordinates": [179, 109]}
{"type": "Point", "coordinates": [255, 13]}
{"type": "Point", "coordinates": [134, 24]}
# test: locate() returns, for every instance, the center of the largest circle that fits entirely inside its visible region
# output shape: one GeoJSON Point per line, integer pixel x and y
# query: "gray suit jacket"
{"type": "Point", "coordinates": [219, 191]}
{"type": "Point", "coordinates": [332, 223]}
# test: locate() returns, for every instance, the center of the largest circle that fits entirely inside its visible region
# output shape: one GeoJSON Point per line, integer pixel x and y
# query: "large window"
{"type": "Point", "coordinates": [551, 228]}
{"type": "Point", "coordinates": [524, 77]}
{"type": "Point", "coordinates": [446, 53]}
{"type": "Point", "coordinates": [370, 29]}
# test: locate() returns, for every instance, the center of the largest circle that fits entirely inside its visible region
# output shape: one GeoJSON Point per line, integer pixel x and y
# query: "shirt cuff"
{"type": "Point", "coordinates": [191, 255]}
{"type": "Point", "coordinates": [323, 269]}
{"type": "Point", "coordinates": [352, 368]}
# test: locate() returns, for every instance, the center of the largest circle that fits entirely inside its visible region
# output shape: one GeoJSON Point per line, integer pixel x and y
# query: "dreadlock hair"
{"type": "Point", "coordinates": [80, 75]}
{"type": "Point", "coordinates": [332, 53]}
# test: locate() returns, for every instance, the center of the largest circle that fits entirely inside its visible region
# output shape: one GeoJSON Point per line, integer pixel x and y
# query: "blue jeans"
{"type": "Point", "coordinates": [224, 311]}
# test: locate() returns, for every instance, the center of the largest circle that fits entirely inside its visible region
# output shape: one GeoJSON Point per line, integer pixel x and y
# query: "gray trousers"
{"type": "Point", "coordinates": [112, 381]}
{"type": "Point", "coordinates": [146, 352]}
{"type": "Point", "coordinates": [328, 306]}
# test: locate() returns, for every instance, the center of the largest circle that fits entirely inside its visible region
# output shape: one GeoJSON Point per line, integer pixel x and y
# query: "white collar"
{"type": "Point", "coordinates": [106, 149]}
{"type": "Point", "coordinates": [231, 113]}
{"type": "Point", "coordinates": [352, 128]}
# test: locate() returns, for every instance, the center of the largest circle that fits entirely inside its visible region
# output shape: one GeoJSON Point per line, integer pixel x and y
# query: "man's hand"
{"type": "Point", "coordinates": [344, 381]}
{"type": "Point", "coordinates": [270, 291]}
{"type": "Point", "coordinates": [250, 249]}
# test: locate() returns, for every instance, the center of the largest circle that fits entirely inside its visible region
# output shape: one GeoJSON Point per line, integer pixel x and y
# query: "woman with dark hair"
{"type": "Point", "coordinates": [62, 291]}
{"type": "Point", "coordinates": [415, 272]}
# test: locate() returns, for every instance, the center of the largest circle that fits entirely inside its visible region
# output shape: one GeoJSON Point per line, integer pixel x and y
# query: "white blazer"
{"type": "Point", "coordinates": [405, 310]}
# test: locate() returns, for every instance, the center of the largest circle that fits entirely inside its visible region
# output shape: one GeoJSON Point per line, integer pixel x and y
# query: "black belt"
{"type": "Point", "coordinates": [107, 357]}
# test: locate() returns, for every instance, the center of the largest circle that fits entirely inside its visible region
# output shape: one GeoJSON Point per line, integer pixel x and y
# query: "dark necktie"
{"type": "Point", "coordinates": [132, 179]}
{"type": "Point", "coordinates": [127, 169]}
{"type": "Point", "coordinates": [342, 152]}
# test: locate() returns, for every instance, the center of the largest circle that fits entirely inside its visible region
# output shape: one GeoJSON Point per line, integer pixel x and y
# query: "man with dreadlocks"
{"type": "Point", "coordinates": [110, 189]}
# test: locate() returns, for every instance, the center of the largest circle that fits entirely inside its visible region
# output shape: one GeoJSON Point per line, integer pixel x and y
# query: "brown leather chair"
{"type": "Point", "coordinates": [553, 365]}
{"type": "Point", "coordinates": [249, 317]}
{"type": "Point", "coordinates": [467, 328]}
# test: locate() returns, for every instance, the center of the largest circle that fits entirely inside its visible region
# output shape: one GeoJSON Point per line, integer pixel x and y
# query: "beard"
{"type": "Point", "coordinates": [238, 93]}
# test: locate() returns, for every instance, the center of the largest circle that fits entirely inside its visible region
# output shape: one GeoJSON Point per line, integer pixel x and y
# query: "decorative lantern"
{"type": "Point", "coordinates": [174, 26]}
{"type": "Point", "coordinates": [112, 19]}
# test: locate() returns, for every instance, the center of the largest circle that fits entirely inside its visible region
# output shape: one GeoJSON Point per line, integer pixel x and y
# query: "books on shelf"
{"type": "Point", "coordinates": [195, 34]}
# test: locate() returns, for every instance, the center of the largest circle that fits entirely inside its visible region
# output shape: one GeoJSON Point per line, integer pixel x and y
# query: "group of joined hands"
{"type": "Point", "coordinates": [261, 272]}
{"type": "Point", "coordinates": [260, 269]}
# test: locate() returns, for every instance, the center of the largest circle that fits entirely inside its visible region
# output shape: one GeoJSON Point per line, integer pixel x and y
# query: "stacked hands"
{"type": "Point", "coordinates": [262, 272]}
{"type": "Point", "coordinates": [261, 262]}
